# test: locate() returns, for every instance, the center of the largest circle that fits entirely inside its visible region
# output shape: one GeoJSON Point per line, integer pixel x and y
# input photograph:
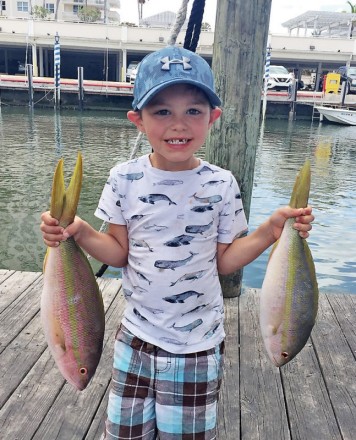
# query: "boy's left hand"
{"type": "Point", "coordinates": [303, 218]}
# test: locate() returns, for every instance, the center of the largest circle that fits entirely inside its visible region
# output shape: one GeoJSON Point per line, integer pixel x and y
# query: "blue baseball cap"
{"type": "Point", "coordinates": [168, 66]}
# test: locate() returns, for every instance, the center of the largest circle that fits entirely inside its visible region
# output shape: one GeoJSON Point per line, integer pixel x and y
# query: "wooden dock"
{"type": "Point", "coordinates": [311, 398]}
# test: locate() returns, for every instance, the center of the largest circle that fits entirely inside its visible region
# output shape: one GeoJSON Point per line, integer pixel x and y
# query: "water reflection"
{"type": "Point", "coordinates": [31, 141]}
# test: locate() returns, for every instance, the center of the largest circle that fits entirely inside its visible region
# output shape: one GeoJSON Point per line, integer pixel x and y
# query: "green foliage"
{"type": "Point", "coordinates": [40, 12]}
{"type": "Point", "coordinates": [89, 14]}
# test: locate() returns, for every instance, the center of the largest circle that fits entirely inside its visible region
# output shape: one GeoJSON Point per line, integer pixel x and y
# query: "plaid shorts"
{"type": "Point", "coordinates": [157, 394]}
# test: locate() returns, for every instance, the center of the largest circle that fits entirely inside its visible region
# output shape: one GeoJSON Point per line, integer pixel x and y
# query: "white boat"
{"type": "Point", "coordinates": [337, 115]}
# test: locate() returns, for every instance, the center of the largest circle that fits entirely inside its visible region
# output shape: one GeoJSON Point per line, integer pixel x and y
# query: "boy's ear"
{"type": "Point", "coordinates": [215, 114]}
{"type": "Point", "coordinates": [135, 118]}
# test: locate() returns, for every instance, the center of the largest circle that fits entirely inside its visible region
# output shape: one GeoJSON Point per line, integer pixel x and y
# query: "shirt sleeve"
{"type": "Point", "coordinates": [232, 223]}
{"type": "Point", "coordinates": [109, 207]}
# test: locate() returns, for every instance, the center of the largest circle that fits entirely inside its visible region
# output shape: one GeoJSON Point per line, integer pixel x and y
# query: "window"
{"type": "Point", "coordinates": [3, 5]}
{"type": "Point", "coordinates": [22, 6]}
{"type": "Point", "coordinates": [50, 7]}
{"type": "Point", "coordinates": [76, 8]}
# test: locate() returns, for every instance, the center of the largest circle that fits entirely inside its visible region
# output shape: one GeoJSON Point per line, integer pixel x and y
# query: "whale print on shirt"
{"type": "Point", "coordinates": [174, 221]}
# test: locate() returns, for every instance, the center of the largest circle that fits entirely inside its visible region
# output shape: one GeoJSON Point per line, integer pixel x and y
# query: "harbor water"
{"type": "Point", "coordinates": [32, 141]}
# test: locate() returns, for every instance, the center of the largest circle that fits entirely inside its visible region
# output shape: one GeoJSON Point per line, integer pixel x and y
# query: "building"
{"type": "Point", "coordinates": [105, 50]}
{"type": "Point", "coordinates": [67, 9]}
{"type": "Point", "coordinates": [163, 20]}
{"type": "Point", "coordinates": [323, 24]}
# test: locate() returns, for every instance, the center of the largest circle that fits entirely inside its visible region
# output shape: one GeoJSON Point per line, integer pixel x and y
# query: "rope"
{"type": "Point", "coordinates": [180, 19]}
{"type": "Point", "coordinates": [194, 25]}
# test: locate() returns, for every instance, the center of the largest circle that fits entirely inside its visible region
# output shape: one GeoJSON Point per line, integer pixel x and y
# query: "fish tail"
{"type": "Point", "coordinates": [64, 202]}
{"type": "Point", "coordinates": [301, 189]}
{"type": "Point", "coordinates": [58, 192]}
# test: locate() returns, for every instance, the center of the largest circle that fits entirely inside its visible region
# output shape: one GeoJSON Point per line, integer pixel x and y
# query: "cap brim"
{"type": "Point", "coordinates": [213, 97]}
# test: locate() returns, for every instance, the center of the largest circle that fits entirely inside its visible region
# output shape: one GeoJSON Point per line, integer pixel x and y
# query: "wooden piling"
{"type": "Point", "coordinates": [240, 42]}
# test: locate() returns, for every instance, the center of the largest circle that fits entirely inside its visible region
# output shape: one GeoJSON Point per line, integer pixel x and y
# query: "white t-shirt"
{"type": "Point", "coordinates": [174, 221]}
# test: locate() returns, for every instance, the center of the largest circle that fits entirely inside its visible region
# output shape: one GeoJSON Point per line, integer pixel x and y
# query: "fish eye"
{"type": "Point", "coordinates": [284, 354]}
{"type": "Point", "coordinates": [83, 371]}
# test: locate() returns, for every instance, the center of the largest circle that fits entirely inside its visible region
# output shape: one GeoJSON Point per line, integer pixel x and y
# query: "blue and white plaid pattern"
{"type": "Point", "coordinates": [158, 394]}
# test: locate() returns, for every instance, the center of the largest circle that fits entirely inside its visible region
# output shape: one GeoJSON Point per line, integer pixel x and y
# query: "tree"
{"type": "Point", "coordinates": [89, 14]}
{"type": "Point", "coordinates": [40, 12]}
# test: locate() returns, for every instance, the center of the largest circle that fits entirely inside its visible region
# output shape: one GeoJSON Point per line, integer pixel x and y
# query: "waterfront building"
{"type": "Point", "coordinates": [67, 10]}
{"type": "Point", "coordinates": [105, 49]}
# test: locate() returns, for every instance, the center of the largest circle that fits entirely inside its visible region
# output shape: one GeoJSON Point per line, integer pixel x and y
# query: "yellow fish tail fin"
{"type": "Point", "coordinates": [45, 260]}
{"type": "Point", "coordinates": [301, 189]}
{"type": "Point", "coordinates": [58, 192]}
{"type": "Point", "coordinates": [72, 194]}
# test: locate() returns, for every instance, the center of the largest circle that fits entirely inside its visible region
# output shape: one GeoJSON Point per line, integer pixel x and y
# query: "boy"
{"type": "Point", "coordinates": [175, 222]}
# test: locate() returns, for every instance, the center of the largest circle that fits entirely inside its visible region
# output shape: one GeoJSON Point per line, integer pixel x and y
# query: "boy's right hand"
{"type": "Point", "coordinates": [53, 233]}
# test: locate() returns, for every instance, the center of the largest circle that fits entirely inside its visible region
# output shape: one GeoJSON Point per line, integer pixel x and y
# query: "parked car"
{"type": "Point", "coordinates": [133, 65]}
{"type": "Point", "coordinates": [279, 78]}
{"type": "Point", "coordinates": [133, 75]}
{"type": "Point", "coordinates": [348, 75]}
{"type": "Point", "coordinates": [21, 67]}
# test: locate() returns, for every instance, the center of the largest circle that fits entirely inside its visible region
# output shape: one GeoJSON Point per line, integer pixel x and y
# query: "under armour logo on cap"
{"type": "Point", "coordinates": [167, 63]}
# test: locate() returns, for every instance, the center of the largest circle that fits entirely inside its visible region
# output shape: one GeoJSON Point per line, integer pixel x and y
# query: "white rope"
{"type": "Point", "coordinates": [136, 145]}
{"type": "Point", "coordinates": [180, 19]}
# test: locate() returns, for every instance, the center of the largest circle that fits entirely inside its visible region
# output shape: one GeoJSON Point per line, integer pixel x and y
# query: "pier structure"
{"type": "Point", "coordinates": [85, 44]}
{"type": "Point", "coordinates": [312, 397]}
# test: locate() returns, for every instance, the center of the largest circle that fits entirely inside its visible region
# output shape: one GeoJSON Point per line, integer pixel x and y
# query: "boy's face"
{"type": "Point", "coordinates": [176, 122]}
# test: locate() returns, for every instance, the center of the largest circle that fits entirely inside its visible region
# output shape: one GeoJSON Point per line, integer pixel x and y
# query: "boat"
{"type": "Point", "coordinates": [339, 115]}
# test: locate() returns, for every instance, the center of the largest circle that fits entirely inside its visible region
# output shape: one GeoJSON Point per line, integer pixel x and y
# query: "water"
{"type": "Point", "coordinates": [31, 142]}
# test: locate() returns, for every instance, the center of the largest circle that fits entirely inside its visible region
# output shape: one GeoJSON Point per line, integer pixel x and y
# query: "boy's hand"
{"type": "Point", "coordinates": [53, 234]}
{"type": "Point", "coordinates": [303, 218]}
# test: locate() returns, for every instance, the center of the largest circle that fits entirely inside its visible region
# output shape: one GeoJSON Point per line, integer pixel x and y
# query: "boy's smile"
{"type": "Point", "coordinates": [176, 122]}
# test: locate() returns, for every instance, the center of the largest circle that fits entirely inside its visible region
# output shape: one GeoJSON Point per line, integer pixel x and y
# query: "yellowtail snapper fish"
{"type": "Point", "coordinates": [289, 294]}
{"type": "Point", "coordinates": [72, 310]}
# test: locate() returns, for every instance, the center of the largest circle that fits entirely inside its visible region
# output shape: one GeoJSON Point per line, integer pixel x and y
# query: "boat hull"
{"type": "Point", "coordinates": [338, 115]}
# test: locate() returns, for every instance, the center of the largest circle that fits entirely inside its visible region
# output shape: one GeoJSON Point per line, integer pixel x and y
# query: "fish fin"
{"type": "Point", "coordinates": [45, 260]}
{"type": "Point", "coordinates": [72, 193]}
{"type": "Point", "coordinates": [314, 280]}
{"type": "Point", "coordinates": [58, 192]}
{"type": "Point", "coordinates": [301, 189]}
{"type": "Point", "coordinates": [274, 247]}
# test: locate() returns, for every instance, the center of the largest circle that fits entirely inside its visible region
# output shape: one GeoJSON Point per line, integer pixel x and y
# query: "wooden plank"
{"type": "Point", "coordinates": [337, 361]}
{"type": "Point", "coordinates": [24, 351]}
{"type": "Point", "coordinates": [30, 404]}
{"type": "Point", "coordinates": [4, 275]}
{"type": "Point", "coordinates": [26, 305]}
{"type": "Point", "coordinates": [229, 404]}
{"type": "Point", "coordinates": [21, 354]}
{"type": "Point", "coordinates": [263, 411]}
{"type": "Point", "coordinates": [311, 415]}
{"type": "Point", "coordinates": [98, 423]}
{"type": "Point", "coordinates": [344, 307]}
{"type": "Point", "coordinates": [312, 397]}
{"type": "Point", "coordinates": [14, 285]}
{"type": "Point", "coordinates": [72, 412]}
